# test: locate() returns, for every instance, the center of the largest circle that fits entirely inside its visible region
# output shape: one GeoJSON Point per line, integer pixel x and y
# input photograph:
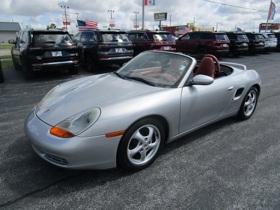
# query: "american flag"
{"type": "Point", "coordinates": [183, 30]}
{"type": "Point", "coordinates": [86, 25]}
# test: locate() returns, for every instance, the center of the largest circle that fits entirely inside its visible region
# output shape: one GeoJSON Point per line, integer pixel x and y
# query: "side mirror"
{"type": "Point", "coordinates": [12, 41]}
{"type": "Point", "coordinates": [202, 80]}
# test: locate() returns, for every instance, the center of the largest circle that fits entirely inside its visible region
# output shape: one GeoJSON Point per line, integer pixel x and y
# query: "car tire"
{"type": "Point", "coordinates": [249, 104]}
{"type": "Point", "coordinates": [1, 74]}
{"type": "Point", "coordinates": [16, 65]}
{"type": "Point", "coordinates": [90, 64]}
{"type": "Point", "coordinates": [28, 72]}
{"type": "Point", "coordinates": [74, 70]}
{"type": "Point", "coordinates": [141, 144]}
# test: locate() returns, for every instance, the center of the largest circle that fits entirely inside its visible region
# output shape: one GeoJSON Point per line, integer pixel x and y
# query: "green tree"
{"type": "Point", "coordinates": [51, 26]}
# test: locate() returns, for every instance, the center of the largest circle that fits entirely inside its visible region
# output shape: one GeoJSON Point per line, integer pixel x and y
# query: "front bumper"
{"type": "Point", "coordinates": [95, 152]}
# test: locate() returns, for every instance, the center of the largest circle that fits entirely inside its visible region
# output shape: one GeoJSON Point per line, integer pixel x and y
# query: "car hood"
{"type": "Point", "coordinates": [79, 95]}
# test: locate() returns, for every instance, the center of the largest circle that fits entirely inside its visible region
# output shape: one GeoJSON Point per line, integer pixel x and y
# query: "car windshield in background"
{"type": "Point", "coordinates": [156, 69]}
{"type": "Point", "coordinates": [115, 37]}
{"type": "Point", "coordinates": [221, 37]}
{"type": "Point", "coordinates": [271, 36]}
{"type": "Point", "coordinates": [258, 36]}
{"type": "Point", "coordinates": [241, 37]}
{"type": "Point", "coordinates": [163, 37]}
{"type": "Point", "coordinates": [53, 39]}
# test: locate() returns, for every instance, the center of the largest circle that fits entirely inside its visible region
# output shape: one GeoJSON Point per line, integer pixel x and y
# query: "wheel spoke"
{"type": "Point", "coordinates": [135, 150]}
{"type": "Point", "coordinates": [139, 137]}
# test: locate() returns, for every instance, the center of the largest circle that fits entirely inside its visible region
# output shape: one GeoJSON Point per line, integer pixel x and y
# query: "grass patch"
{"type": "Point", "coordinates": [6, 61]}
{"type": "Point", "coordinates": [6, 46]}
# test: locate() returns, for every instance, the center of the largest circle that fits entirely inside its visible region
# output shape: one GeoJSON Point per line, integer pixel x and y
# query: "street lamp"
{"type": "Point", "coordinates": [66, 23]}
{"type": "Point", "coordinates": [136, 22]}
{"type": "Point", "coordinates": [111, 23]}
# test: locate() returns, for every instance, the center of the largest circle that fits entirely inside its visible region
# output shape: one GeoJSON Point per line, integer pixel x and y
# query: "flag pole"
{"type": "Point", "coordinates": [142, 14]}
{"type": "Point", "coordinates": [268, 14]}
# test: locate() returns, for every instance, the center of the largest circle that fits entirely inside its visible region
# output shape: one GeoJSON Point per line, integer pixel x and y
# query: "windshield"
{"type": "Point", "coordinates": [156, 68]}
{"type": "Point", "coordinates": [52, 39]}
{"type": "Point", "coordinates": [115, 37]}
{"type": "Point", "coordinates": [242, 37]}
{"type": "Point", "coordinates": [163, 37]}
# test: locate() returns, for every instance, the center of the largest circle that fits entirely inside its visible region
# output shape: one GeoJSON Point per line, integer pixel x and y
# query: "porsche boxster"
{"type": "Point", "coordinates": [123, 118]}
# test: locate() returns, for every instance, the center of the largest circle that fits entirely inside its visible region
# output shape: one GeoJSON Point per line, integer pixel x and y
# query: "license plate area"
{"type": "Point", "coordinates": [56, 53]}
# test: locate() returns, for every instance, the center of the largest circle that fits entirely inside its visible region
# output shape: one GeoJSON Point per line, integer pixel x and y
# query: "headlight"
{"type": "Point", "coordinates": [76, 124]}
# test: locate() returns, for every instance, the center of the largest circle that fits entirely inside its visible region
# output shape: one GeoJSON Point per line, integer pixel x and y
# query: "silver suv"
{"type": "Point", "coordinates": [270, 43]}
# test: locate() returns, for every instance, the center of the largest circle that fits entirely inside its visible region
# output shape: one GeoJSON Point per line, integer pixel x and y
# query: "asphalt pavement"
{"type": "Point", "coordinates": [231, 164]}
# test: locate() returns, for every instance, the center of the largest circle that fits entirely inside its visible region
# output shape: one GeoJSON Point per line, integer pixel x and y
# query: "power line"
{"type": "Point", "coordinates": [230, 5]}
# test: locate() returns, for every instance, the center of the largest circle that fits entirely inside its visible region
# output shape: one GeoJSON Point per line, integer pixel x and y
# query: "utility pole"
{"type": "Point", "coordinates": [77, 15]}
{"type": "Point", "coordinates": [66, 22]}
{"type": "Point", "coordinates": [136, 21]}
{"type": "Point", "coordinates": [111, 23]}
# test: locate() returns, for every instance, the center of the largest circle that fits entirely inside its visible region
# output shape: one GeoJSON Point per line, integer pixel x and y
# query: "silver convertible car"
{"type": "Point", "coordinates": [123, 118]}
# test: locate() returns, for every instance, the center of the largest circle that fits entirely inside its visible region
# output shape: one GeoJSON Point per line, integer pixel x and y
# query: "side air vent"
{"type": "Point", "coordinates": [238, 93]}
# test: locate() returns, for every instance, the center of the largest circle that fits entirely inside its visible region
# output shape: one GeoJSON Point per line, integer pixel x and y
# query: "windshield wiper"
{"type": "Point", "coordinates": [119, 75]}
{"type": "Point", "coordinates": [140, 80]}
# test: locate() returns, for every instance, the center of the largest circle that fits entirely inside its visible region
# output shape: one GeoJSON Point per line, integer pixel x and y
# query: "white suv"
{"type": "Point", "coordinates": [270, 41]}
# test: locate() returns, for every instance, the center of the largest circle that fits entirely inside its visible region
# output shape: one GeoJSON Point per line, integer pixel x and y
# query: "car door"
{"type": "Point", "coordinates": [201, 104]}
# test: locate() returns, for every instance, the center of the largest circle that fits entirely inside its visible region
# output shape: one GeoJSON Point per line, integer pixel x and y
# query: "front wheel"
{"type": "Point", "coordinates": [249, 104]}
{"type": "Point", "coordinates": [141, 144]}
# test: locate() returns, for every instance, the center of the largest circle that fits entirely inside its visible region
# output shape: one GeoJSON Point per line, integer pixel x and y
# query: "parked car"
{"type": "Point", "coordinates": [277, 35]}
{"type": "Point", "coordinates": [100, 47]}
{"type": "Point", "coordinates": [238, 43]}
{"type": "Point", "coordinates": [38, 50]}
{"type": "Point", "coordinates": [200, 43]}
{"type": "Point", "coordinates": [270, 41]}
{"type": "Point", "coordinates": [124, 118]}
{"type": "Point", "coordinates": [256, 42]}
{"type": "Point", "coordinates": [151, 40]}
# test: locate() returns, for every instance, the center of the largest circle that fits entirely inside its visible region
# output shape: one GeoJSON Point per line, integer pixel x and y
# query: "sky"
{"type": "Point", "coordinates": [223, 15]}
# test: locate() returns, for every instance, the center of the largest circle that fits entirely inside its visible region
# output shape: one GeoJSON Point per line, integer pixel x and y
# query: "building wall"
{"type": "Point", "coordinates": [5, 36]}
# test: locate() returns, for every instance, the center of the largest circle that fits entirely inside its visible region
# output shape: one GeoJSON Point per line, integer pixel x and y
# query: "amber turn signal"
{"type": "Point", "coordinates": [60, 132]}
{"type": "Point", "coordinates": [114, 134]}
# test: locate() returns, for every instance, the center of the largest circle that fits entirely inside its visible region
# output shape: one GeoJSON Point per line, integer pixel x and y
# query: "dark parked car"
{"type": "Point", "coordinates": [277, 35]}
{"type": "Point", "coordinates": [256, 42]}
{"type": "Point", "coordinates": [239, 43]}
{"type": "Point", "coordinates": [99, 47]}
{"type": "Point", "coordinates": [151, 40]}
{"type": "Point", "coordinates": [37, 50]}
{"type": "Point", "coordinates": [203, 42]}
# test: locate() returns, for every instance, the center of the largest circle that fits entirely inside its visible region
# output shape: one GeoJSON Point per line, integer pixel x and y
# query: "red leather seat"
{"type": "Point", "coordinates": [206, 67]}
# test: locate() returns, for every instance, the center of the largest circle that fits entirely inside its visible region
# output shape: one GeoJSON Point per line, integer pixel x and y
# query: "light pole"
{"type": "Point", "coordinates": [170, 20]}
{"type": "Point", "coordinates": [111, 24]}
{"type": "Point", "coordinates": [77, 15]}
{"type": "Point", "coordinates": [66, 23]}
{"type": "Point", "coordinates": [136, 22]}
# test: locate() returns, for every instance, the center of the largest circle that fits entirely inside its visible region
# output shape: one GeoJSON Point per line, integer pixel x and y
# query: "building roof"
{"type": "Point", "coordinates": [9, 26]}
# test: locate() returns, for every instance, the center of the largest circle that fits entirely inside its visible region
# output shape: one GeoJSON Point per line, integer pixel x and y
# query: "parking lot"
{"type": "Point", "coordinates": [228, 165]}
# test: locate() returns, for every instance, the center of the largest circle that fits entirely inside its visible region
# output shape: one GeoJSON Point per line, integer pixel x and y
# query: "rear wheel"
{"type": "Point", "coordinates": [28, 72]}
{"type": "Point", "coordinates": [249, 104]}
{"type": "Point", "coordinates": [141, 144]}
{"type": "Point", "coordinates": [16, 65]}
